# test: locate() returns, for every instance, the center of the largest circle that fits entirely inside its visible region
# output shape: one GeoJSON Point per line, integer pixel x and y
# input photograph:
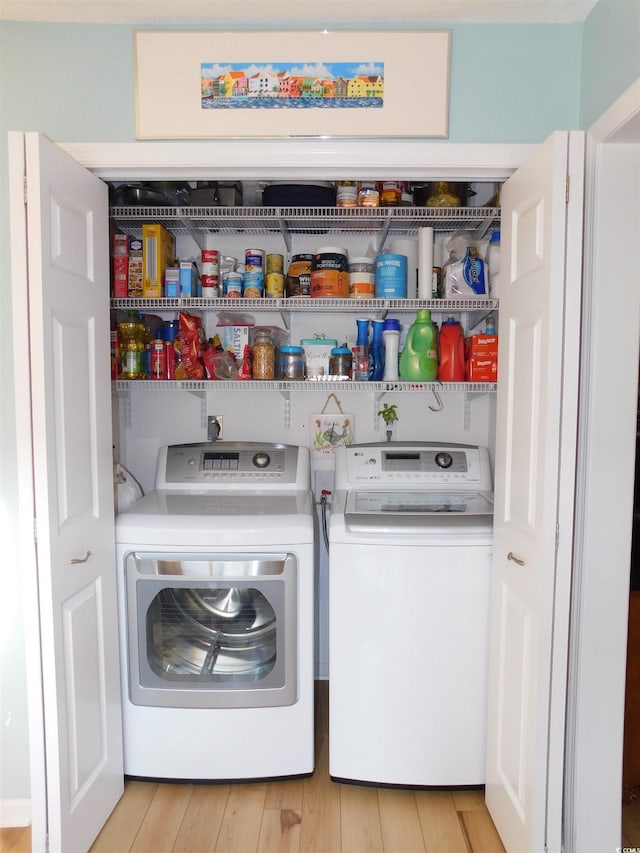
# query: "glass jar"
{"type": "Point", "coordinates": [263, 355]}
{"type": "Point", "coordinates": [291, 363]}
{"type": "Point", "coordinates": [133, 333]}
{"type": "Point", "coordinates": [368, 194]}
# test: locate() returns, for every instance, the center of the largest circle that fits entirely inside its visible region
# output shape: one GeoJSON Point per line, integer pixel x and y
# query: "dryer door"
{"type": "Point", "coordinates": [211, 631]}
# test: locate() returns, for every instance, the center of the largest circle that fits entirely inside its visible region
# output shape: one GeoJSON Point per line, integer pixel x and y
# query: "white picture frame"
{"type": "Point", "coordinates": [185, 86]}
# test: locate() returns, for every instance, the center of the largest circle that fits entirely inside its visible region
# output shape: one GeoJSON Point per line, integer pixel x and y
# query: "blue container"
{"type": "Point", "coordinates": [391, 277]}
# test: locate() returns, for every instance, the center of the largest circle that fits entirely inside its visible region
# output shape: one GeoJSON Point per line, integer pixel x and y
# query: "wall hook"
{"type": "Point", "coordinates": [439, 404]}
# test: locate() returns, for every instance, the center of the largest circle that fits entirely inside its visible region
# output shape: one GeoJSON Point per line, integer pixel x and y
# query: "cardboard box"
{"type": "Point", "coordinates": [120, 244]}
{"type": "Point", "coordinates": [481, 358]}
{"type": "Point", "coordinates": [135, 268]}
{"type": "Point", "coordinates": [158, 253]}
{"type": "Point", "coordinates": [120, 276]}
{"type": "Point", "coordinates": [172, 282]}
{"type": "Point", "coordinates": [188, 278]}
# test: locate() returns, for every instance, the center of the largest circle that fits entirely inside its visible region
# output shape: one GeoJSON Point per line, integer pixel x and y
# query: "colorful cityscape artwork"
{"type": "Point", "coordinates": [291, 85]}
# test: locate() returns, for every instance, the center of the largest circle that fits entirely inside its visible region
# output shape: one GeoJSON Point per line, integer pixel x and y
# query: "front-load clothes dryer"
{"type": "Point", "coordinates": [409, 581]}
{"type": "Point", "coordinates": [215, 586]}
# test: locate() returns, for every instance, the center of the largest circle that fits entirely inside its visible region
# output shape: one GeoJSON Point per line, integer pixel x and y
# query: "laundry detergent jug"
{"type": "Point", "coordinates": [419, 358]}
{"type": "Point", "coordinates": [451, 352]}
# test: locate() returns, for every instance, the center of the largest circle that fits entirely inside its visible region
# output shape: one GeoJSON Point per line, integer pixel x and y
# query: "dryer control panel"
{"type": "Point", "coordinates": [208, 465]}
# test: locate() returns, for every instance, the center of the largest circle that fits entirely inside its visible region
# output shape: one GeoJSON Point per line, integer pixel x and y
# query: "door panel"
{"type": "Point", "coordinates": [68, 283]}
{"type": "Point", "coordinates": [534, 476]}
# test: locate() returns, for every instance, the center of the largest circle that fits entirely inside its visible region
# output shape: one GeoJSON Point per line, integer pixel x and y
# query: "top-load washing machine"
{"type": "Point", "coordinates": [215, 587]}
{"type": "Point", "coordinates": [410, 538]}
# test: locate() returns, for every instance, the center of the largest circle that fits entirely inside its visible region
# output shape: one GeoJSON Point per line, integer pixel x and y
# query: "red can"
{"type": "Point", "coordinates": [158, 360]}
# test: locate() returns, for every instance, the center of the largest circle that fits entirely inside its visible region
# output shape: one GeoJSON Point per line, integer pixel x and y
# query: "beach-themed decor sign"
{"type": "Point", "coordinates": [203, 85]}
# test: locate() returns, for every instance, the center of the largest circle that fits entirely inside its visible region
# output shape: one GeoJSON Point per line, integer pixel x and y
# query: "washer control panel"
{"type": "Point", "coordinates": [418, 465]}
{"type": "Point", "coordinates": [207, 464]}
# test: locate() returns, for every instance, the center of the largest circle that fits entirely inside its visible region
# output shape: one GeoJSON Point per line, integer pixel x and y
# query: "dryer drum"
{"type": "Point", "coordinates": [205, 632]}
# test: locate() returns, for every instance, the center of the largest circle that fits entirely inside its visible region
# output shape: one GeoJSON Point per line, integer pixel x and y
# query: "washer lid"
{"type": "Point", "coordinates": [418, 511]}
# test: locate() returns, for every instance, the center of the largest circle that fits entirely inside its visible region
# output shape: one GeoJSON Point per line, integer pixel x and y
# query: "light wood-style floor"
{"type": "Point", "coordinates": [312, 815]}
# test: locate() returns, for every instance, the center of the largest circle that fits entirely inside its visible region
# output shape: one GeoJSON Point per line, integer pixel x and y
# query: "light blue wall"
{"type": "Point", "coordinates": [611, 56]}
{"type": "Point", "coordinates": [509, 83]}
{"type": "Point", "coordinates": [75, 82]}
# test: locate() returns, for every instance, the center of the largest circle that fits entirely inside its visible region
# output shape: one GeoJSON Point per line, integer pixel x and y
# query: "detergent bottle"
{"type": "Point", "coordinates": [419, 358]}
{"type": "Point", "coordinates": [451, 367]}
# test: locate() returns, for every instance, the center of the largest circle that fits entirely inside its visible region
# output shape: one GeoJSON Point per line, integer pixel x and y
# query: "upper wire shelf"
{"type": "Point", "coordinates": [308, 220]}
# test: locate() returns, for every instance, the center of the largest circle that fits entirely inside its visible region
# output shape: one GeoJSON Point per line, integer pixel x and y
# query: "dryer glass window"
{"type": "Point", "coordinates": [212, 632]}
{"type": "Point", "coordinates": [215, 634]}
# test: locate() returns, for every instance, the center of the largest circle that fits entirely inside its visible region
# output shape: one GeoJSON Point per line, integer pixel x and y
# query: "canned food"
{"type": "Point", "coordinates": [274, 285]}
{"type": "Point", "coordinates": [254, 260]}
{"type": "Point", "coordinates": [299, 276]}
{"type": "Point", "coordinates": [232, 284]}
{"type": "Point", "coordinates": [275, 263]}
{"type": "Point", "coordinates": [253, 285]}
{"type": "Point", "coordinates": [330, 273]}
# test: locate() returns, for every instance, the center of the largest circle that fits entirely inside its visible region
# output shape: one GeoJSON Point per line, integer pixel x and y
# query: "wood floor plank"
{"type": "Point", "coordinates": [360, 820]}
{"type": "Point", "coordinates": [202, 820]}
{"type": "Point", "coordinates": [280, 831]}
{"type": "Point", "coordinates": [320, 813]}
{"type": "Point", "coordinates": [631, 823]}
{"type": "Point", "coordinates": [482, 834]}
{"type": "Point", "coordinates": [15, 839]}
{"type": "Point", "coordinates": [162, 821]}
{"type": "Point", "coordinates": [441, 827]}
{"type": "Point", "coordinates": [119, 832]}
{"type": "Point", "coordinates": [240, 829]}
{"type": "Point", "coordinates": [469, 800]}
{"type": "Point", "coordinates": [401, 830]}
{"type": "Point", "coordinates": [285, 794]}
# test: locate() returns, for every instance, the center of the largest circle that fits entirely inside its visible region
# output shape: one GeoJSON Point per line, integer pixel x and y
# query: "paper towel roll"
{"type": "Point", "coordinates": [425, 262]}
{"type": "Point", "coordinates": [409, 248]}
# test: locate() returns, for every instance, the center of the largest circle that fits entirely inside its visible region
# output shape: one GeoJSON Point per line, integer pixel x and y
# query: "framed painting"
{"type": "Point", "coordinates": [207, 85]}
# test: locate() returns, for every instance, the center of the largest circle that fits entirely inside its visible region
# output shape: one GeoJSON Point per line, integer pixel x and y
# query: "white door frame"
{"type": "Point", "coordinates": [605, 481]}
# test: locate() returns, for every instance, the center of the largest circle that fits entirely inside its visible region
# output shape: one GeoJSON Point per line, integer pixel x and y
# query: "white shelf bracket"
{"type": "Point", "coordinates": [286, 396]}
{"type": "Point", "coordinates": [468, 397]}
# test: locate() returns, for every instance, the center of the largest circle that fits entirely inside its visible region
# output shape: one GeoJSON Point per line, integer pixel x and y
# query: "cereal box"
{"type": "Point", "coordinates": [158, 252]}
{"type": "Point", "coordinates": [135, 268]}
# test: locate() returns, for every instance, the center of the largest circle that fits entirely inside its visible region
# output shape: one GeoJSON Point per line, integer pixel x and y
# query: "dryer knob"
{"type": "Point", "coordinates": [261, 460]}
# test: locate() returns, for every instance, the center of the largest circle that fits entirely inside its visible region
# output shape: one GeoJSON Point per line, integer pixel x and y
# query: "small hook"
{"type": "Point", "coordinates": [440, 405]}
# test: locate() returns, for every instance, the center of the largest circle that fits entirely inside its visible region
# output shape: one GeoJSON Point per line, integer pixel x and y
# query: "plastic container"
{"type": "Point", "coordinates": [391, 276]}
{"type": "Point", "coordinates": [451, 349]}
{"type": "Point", "coordinates": [340, 363]}
{"type": "Point", "coordinates": [330, 273]}
{"type": "Point", "coordinates": [290, 363]}
{"type": "Point", "coordinates": [132, 334]}
{"type": "Point", "coordinates": [299, 276]}
{"type": "Point", "coordinates": [376, 352]}
{"type": "Point", "coordinates": [317, 352]}
{"type": "Point", "coordinates": [419, 358]}
{"type": "Point", "coordinates": [391, 339]}
{"type": "Point", "coordinates": [362, 278]}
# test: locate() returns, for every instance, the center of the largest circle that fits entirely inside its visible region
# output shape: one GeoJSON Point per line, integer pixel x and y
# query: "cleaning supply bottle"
{"type": "Point", "coordinates": [419, 358]}
{"type": "Point", "coordinates": [377, 351]}
{"type": "Point", "coordinates": [451, 345]}
{"type": "Point", "coordinates": [391, 338]}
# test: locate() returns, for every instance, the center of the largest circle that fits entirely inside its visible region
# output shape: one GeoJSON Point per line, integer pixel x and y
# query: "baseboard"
{"type": "Point", "coordinates": [15, 813]}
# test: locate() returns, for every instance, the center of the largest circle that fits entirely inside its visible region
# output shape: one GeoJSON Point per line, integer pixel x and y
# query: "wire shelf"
{"type": "Point", "coordinates": [319, 305]}
{"type": "Point", "coordinates": [306, 220]}
{"type": "Point", "coordinates": [302, 385]}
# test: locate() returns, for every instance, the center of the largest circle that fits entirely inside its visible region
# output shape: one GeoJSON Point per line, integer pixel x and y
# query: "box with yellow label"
{"type": "Point", "coordinates": [158, 253]}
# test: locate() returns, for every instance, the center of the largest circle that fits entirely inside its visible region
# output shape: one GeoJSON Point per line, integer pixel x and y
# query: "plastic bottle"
{"type": "Point", "coordinates": [451, 345]}
{"type": "Point", "coordinates": [377, 351]}
{"type": "Point", "coordinates": [391, 338]}
{"type": "Point", "coordinates": [132, 347]}
{"type": "Point", "coordinates": [362, 363]}
{"type": "Point", "coordinates": [492, 258]}
{"type": "Point", "coordinates": [419, 358]}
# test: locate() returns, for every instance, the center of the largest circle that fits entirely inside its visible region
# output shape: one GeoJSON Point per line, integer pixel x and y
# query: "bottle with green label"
{"type": "Point", "coordinates": [419, 358]}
